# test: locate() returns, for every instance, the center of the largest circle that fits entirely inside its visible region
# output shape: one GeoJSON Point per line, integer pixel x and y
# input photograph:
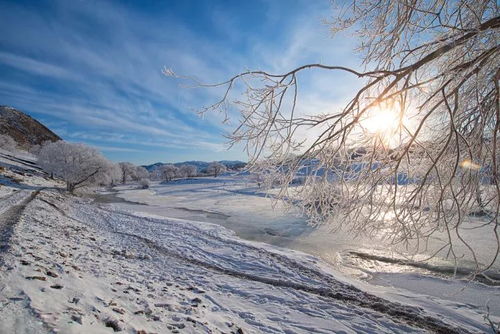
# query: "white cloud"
{"type": "Point", "coordinates": [111, 83]}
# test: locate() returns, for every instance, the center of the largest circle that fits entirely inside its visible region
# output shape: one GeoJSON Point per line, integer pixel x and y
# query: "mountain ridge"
{"type": "Point", "coordinates": [230, 164]}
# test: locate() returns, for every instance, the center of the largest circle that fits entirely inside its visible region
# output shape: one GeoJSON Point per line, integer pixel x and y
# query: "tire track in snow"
{"type": "Point", "coordinates": [9, 218]}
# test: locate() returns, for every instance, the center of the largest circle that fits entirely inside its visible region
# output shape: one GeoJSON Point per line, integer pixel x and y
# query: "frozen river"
{"type": "Point", "coordinates": [239, 205]}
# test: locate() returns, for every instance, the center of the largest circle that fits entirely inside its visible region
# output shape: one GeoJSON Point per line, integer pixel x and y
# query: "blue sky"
{"type": "Point", "coordinates": [91, 70]}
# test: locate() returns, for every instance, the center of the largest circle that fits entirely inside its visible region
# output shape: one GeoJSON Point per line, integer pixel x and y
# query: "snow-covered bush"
{"type": "Point", "coordinates": [78, 165]}
{"type": "Point", "coordinates": [215, 168]}
{"type": "Point", "coordinates": [144, 183]}
{"type": "Point", "coordinates": [7, 143]}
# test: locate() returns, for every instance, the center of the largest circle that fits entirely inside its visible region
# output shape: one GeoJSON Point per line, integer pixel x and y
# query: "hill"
{"type": "Point", "coordinates": [25, 130]}
{"type": "Point", "coordinates": [201, 165]}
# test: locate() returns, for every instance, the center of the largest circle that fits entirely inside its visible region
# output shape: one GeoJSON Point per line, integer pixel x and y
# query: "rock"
{"type": "Point", "coordinates": [239, 331]}
{"type": "Point", "coordinates": [113, 323]}
{"type": "Point", "coordinates": [75, 300]}
{"type": "Point", "coordinates": [164, 305]}
{"type": "Point", "coordinates": [77, 318]}
{"type": "Point", "coordinates": [195, 301]}
{"type": "Point", "coordinates": [118, 310]}
{"type": "Point", "coordinates": [156, 318]}
{"type": "Point", "coordinates": [24, 262]}
{"type": "Point", "coordinates": [16, 299]}
{"type": "Point", "coordinates": [51, 274]}
{"type": "Point", "coordinates": [40, 278]}
{"type": "Point", "coordinates": [195, 289]}
{"type": "Point", "coordinates": [56, 286]}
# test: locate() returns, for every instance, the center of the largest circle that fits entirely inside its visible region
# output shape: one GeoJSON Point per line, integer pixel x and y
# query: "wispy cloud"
{"type": "Point", "coordinates": [93, 69]}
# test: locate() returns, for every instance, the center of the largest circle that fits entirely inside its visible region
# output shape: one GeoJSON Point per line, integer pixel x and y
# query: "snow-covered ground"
{"type": "Point", "coordinates": [73, 265]}
{"type": "Point", "coordinates": [237, 203]}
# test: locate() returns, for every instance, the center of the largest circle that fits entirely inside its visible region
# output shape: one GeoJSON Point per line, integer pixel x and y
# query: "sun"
{"type": "Point", "coordinates": [383, 122]}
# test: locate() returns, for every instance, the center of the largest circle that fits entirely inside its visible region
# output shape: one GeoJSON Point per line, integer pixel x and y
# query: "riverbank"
{"type": "Point", "coordinates": [247, 211]}
{"type": "Point", "coordinates": [75, 268]}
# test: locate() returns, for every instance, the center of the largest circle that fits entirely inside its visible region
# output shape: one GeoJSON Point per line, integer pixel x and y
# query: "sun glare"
{"type": "Point", "coordinates": [383, 122]}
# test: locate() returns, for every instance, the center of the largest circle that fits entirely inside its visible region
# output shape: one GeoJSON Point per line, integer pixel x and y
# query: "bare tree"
{"type": "Point", "coordinates": [415, 152]}
{"type": "Point", "coordinates": [77, 164]}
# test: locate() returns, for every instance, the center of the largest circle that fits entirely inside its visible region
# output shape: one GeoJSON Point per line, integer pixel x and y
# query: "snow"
{"type": "Point", "coordinates": [75, 265]}
{"type": "Point", "coordinates": [238, 204]}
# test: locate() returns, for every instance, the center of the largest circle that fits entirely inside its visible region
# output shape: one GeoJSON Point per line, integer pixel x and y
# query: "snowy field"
{"type": "Point", "coordinates": [83, 265]}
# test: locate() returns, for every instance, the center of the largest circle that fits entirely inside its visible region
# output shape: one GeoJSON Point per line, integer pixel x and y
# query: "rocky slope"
{"type": "Point", "coordinates": [25, 130]}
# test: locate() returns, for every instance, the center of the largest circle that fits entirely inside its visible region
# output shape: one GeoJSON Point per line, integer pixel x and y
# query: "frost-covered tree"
{"type": "Point", "coordinates": [155, 174]}
{"type": "Point", "coordinates": [187, 171]}
{"type": "Point", "coordinates": [77, 164]}
{"type": "Point", "coordinates": [141, 173]}
{"type": "Point", "coordinates": [114, 175]}
{"type": "Point", "coordinates": [129, 171]}
{"type": "Point", "coordinates": [168, 172]}
{"type": "Point", "coordinates": [132, 172]}
{"type": "Point", "coordinates": [407, 158]}
{"type": "Point", "coordinates": [7, 143]}
{"type": "Point", "coordinates": [216, 168]}
{"type": "Point", "coordinates": [35, 149]}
